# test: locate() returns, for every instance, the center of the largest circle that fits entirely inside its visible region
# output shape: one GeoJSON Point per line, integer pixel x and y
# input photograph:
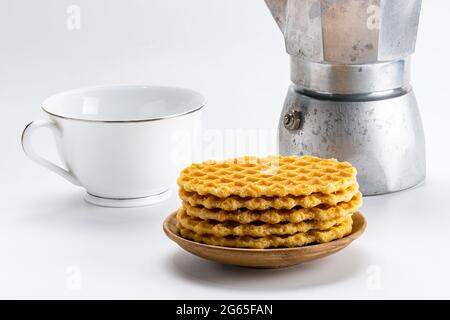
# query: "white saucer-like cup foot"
{"type": "Point", "coordinates": [127, 203]}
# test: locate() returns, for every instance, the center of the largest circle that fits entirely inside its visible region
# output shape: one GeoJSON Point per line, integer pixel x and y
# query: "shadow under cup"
{"type": "Point", "coordinates": [124, 144]}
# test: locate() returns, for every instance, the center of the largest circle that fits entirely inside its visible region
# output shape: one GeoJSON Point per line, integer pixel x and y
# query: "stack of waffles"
{"type": "Point", "coordinates": [267, 202]}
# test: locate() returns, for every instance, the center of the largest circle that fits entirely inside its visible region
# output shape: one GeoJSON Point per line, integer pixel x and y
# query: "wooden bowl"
{"type": "Point", "coordinates": [263, 258]}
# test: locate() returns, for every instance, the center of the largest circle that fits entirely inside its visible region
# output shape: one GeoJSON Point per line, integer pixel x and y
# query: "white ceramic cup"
{"type": "Point", "coordinates": [123, 144]}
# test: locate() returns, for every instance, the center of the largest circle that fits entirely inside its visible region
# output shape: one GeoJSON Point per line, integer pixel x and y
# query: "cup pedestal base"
{"type": "Point", "coordinates": [127, 203]}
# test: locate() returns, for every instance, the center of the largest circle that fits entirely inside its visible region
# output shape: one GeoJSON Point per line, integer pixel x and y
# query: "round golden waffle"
{"type": "Point", "coordinates": [272, 241]}
{"type": "Point", "coordinates": [274, 176]}
{"type": "Point", "coordinates": [262, 203]}
{"type": "Point", "coordinates": [296, 215]}
{"type": "Point", "coordinates": [255, 229]}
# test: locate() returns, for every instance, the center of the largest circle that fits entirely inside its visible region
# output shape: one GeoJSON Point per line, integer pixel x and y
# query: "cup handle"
{"type": "Point", "coordinates": [29, 151]}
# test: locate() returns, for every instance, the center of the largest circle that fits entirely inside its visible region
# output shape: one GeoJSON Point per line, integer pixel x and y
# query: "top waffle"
{"type": "Point", "coordinates": [273, 176]}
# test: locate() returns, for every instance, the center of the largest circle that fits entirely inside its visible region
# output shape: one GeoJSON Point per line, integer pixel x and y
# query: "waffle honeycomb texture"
{"type": "Point", "coordinates": [255, 229]}
{"type": "Point", "coordinates": [271, 202]}
{"type": "Point", "coordinates": [263, 203]}
{"type": "Point", "coordinates": [273, 176]}
{"type": "Point", "coordinates": [321, 212]}
{"type": "Point", "coordinates": [273, 241]}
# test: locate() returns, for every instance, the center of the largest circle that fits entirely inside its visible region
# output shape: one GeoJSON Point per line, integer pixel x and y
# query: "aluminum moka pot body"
{"type": "Point", "coordinates": [351, 97]}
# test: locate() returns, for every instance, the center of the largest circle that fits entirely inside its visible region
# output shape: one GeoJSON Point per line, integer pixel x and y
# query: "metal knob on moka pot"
{"type": "Point", "coordinates": [351, 97]}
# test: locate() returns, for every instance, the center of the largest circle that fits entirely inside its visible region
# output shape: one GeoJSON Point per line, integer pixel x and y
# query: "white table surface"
{"type": "Point", "coordinates": [54, 245]}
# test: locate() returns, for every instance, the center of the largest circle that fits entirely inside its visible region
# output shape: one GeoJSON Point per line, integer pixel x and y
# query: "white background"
{"type": "Point", "coordinates": [54, 245]}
